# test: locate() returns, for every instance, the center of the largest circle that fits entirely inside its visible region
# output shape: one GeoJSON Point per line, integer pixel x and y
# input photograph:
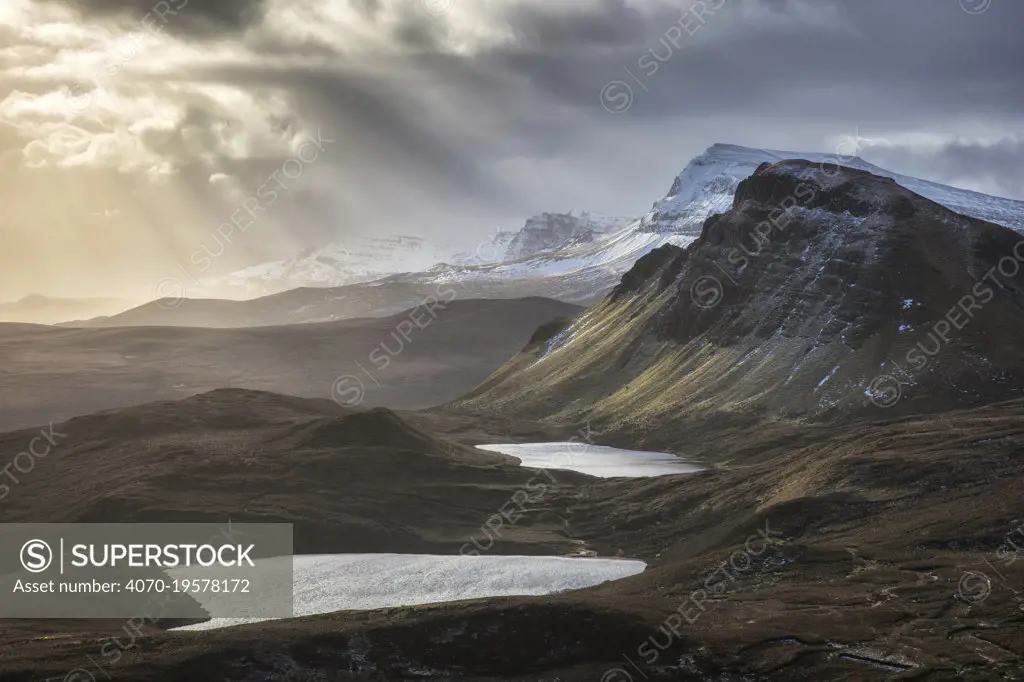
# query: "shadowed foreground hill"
{"type": "Point", "coordinates": [812, 296]}
{"type": "Point", "coordinates": [350, 480]}
{"type": "Point", "coordinates": [418, 358]}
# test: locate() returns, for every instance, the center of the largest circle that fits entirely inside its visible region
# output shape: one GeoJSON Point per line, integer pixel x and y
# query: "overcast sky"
{"type": "Point", "coordinates": [131, 129]}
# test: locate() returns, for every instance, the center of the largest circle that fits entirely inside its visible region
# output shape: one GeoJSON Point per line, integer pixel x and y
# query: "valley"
{"type": "Point", "coordinates": [429, 354]}
{"type": "Point", "coordinates": [511, 341]}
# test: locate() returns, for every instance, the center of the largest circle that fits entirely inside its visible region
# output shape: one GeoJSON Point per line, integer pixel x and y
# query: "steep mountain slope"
{"type": "Point", "coordinates": [812, 295]}
{"type": "Point", "coordinates": [583, 273]}
{"type": "Point", "coordinates": [458, 345]}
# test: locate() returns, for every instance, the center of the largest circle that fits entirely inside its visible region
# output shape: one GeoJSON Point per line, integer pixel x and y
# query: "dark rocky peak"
{"type": "Point", "coordinates": [819, 185]}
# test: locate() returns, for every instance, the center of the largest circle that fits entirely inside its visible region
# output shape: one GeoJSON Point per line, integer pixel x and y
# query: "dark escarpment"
{"type": "Point", "coordinates": [827, 254]}
{"type": "Point", "coordinates": [663, 263]}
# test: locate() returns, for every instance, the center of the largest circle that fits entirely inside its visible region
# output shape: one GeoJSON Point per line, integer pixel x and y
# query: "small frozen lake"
{"type": "Point", "coordinates": [595, 460]}
{"type": "Point", "coordinates": [343, 582]}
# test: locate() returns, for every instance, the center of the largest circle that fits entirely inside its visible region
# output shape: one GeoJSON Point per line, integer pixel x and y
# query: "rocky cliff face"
{"type": "Point", "coordinates": [812, 294]}
{"type": "Point", "coordinates": [557, 230]}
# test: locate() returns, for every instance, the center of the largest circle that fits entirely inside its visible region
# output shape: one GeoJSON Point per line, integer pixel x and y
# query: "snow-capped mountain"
{"type": "Point", "coordinates": [708, 183]}
{"type": "Point", "coordinates": [583, 272]}
{"type": "Point", "coordinates": [364, 259]}
{"type": "Point", "coordinates": [404, 269]}
{"type": "Point", "coordinates": [490, 250]}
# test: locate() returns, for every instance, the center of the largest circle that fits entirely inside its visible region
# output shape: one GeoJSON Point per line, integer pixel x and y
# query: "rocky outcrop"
{"type": "Point", "coordinates": [556, 230]}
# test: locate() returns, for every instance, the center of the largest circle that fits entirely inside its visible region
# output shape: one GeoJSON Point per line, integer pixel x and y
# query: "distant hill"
{"type": "Point", "coordinates": [414, 359]}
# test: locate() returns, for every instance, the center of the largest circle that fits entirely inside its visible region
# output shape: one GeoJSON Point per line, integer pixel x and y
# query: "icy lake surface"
{"type": "Point", "coordinates": [595, 460]}
{"type": "Point", "coordinates": [340, 582]}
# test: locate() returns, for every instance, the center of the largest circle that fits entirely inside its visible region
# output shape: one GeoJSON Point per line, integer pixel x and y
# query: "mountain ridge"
{"type": "Point", "coordinates": [580, 273]}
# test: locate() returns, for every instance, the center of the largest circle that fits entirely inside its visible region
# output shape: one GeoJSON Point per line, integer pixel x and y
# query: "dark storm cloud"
{"type": "Point", "coordinates": [909, 56]}
{"type": "Point", "coordinates": [602, 23]}
{"type": "Point", "coordinates": [876, 61]}
{"type": "Point", "coordinates": [185, 17]}
{"type": "Point", "coordinates": [445, 143]}
{"type": "Point", "coordinates": [776, 67]}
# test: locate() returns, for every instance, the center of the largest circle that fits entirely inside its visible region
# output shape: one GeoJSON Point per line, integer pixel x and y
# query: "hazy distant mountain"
{"type": "Point", "coordinates": [37, 309]}
{"type": "Point", "coordinates": [364, 259]}
{"type": "Point", "coordinates": [357, 259]}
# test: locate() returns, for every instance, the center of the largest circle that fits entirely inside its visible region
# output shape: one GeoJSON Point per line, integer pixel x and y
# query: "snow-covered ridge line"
{"type": "Point", "coordinates": [709, 181]}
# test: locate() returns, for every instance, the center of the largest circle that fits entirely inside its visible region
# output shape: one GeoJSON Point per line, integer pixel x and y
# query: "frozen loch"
{"type": "Point", "coordinates": [342, 582]}
{"type": "Point", "coordinates": [595, 460]}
